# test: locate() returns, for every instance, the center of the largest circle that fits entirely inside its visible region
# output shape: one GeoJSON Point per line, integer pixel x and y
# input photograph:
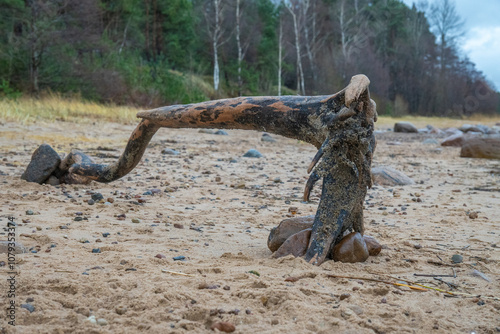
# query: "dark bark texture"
{"type": "Point", "coordinates": [339, 125]}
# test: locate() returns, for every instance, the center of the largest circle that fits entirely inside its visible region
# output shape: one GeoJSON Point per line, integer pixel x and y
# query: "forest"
{"type": "Point", "coordinates": [149, 53]}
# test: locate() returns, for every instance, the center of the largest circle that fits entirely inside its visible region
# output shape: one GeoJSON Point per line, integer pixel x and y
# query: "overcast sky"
{"type": "Point", "coordinates": [481, 42]}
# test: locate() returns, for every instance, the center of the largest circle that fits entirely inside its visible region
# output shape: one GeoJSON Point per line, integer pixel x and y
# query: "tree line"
{"type": "Point", "coordinates": [152, 52]}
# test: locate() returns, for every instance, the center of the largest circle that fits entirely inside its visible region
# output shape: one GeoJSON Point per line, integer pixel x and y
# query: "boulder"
{"type": "Point", "coordinates": [434, 130]}
{"type": "Point", "coordinates": [44, 162]}
{"type": "Point", "coordinates": [351, 249]}
{"type": "Point", "coordinates": [405, 127]}
{"type": "Point", "coordinates": [487, 148]}
{"type": "Point", "coordinates": [458, 139]}
{"type": "Point", "coordinates": [286, 229]}
{"type": "Point", "coordinates": [388, 176]}
{"type": "Point", "coordinates": [474, 128]}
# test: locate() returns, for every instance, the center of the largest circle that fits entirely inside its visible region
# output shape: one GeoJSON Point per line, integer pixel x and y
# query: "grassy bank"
{"type": "Point", "coordinates": [52, 107]}
{"type": "Point", "coordinates": [49, 108]}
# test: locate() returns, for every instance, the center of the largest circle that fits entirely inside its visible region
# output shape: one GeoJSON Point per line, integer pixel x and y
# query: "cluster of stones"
{"type": "Point", "coordinates": [475, 141]}
{"type": "Point", "coordinates": [46, 166]}
{"type": "Point", "coordinates": [292, 236]}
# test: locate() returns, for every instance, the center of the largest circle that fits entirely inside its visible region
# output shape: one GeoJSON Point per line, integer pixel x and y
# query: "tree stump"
{"type": "Point", "coordinates": [340, 126]}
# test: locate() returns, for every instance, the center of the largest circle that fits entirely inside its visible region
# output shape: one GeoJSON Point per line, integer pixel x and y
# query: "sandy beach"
{"type": "Point", "coordinates": [179, 244]}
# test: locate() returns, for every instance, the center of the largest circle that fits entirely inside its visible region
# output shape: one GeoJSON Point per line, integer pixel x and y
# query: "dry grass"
{"type": "Point", "coordinates": [385, 122]}
{"type": "Point", "coordinates": [53, 107]}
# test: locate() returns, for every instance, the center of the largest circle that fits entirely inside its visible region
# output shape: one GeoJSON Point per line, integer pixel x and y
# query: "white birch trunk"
{"type": "Point", "coordinates": [216, 45]}
{"type": "Point", "coordinates": [280, 48]}
{"type": "Point", "coordinates": [300, 72]}
{"type": "Point", "coordinates": [238, 42]}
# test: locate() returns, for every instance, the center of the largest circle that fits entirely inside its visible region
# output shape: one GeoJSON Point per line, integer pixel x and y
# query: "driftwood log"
{"type": "Point", "coordinates": [340, 126]}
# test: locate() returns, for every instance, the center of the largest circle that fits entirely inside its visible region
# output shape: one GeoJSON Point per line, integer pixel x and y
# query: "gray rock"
{"type": "Point", "coordinates": [474, 128]}
{"type": "Point", "coordinates": [457, 258]}
{"type": "Point", "coordinates": [253, 154]}
{"type": "Point", "coordinates": [405, 127]}
{"type": "Point", "coordinates": [221, 133]}
{"type": "Point", "coordinates": [44, 162]}
{"type": "Point", "coordinates": [388, 176]}
{"type": "Point", "coordinates": [452, 131]}
{"type": "Point", "coordinates": [430, 141]}
{"type": "Point", "coordinates": [102, 322]}
{"type": "Point", "coordinates": [434, 130]}
{"type": "Point", "coordinates": [29, 307]}
{"type": "Point", "coordinates": [97, 197]}
{"type": "Point", "coordinates": [18, 248]}
{"type": "Point", "coordinates": [169, 151]}
{"type": "Point", "coordinates": [267, 138]}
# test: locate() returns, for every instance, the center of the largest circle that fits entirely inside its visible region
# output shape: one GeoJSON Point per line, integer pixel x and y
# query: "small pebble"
{"type": "Point", "coordinates": [97, 197]}
{"type": "Point", "coordinates": [92, 319]}
{"type": "Point", "coordinates": [91, 202]}
{"type": "Point", "coordinates": [78, 219]}
{"type": "Point", "coordinates": [29, 307]}
{"type": "Point", "coordinates": [345, 296]}
{"type": "Point", "coordinates": [105, 234]}
{"type": "Point", "coordinates": [457, 258]}
{"type": "Point", "coordinates": [136, 220]}
{"type": "Point", "coordinates": [221, 133]}
{"type": "Point", "coordinates": [96, 250]}
{"type": "Point", "coordinates": [30, 212]}
{"type": "Point", "coordinates": [179, 258]}
{"type": "Point", "coordinates": [102, 322]}
{"type": "Point", "coordinates": [160, 256]}
{"type": "Point", "coordinates": [121, 310]}
{"type": "Point", "coordinates": [169, 151]}
{"type": "Point", "coordinates": [223, 326]}
{"type": "Point", "coordinates": [473, 215]}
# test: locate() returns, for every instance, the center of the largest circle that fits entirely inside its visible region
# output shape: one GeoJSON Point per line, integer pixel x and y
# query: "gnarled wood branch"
{"type": "Point", "coordinates": [339, 125]}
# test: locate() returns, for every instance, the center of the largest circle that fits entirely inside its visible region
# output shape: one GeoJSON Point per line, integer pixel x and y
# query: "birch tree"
{"type": "Point", "coordinates": [300, 72]}
{"type": "Point", "coordinates": [215, 32]}
{"type": "Point", "coordinates": [448, 26]}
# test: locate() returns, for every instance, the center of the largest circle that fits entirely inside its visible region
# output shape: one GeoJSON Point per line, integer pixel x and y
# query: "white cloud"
{"type": "Point", "coordinates": [482, 45]}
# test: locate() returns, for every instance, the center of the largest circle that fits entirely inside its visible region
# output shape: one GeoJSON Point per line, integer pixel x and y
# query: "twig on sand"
{"type": "Point", "coordinates": [379, 281]}
{"type": "Point", "coordinates": [419, 287]}
{"type": "Point", "coordinates": [176, 273]}
{"type": "Point", "coordinates": [433, 275]}
{"type": "Point", "coordinates": [451, 285]}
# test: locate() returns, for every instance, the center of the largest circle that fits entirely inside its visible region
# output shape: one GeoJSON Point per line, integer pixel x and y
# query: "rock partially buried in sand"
{"type": "Point", "coordinates": [388, 176]}
{"type": "Point", "coordinates": [486, 148]}
{"type": "Point", "coordinates": [351, 249]}
{"type": "Point", "coordinates": [253, 153]}
{"type": "Point", "coordinates": [44, 162]}
{"type": "Point", "coordinates": [16, 248]}
{"type": "Point", "coordinates": [405, 127]}
{"type": "Point", "coordinates": [295, 245]}
{"type": "Point", "coordinates": [223, 326]}
{"type": "Point", "coordinates": [286, 229]}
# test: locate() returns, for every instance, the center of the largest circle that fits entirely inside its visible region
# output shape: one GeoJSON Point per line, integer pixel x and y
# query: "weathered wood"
{"type": "Point", "coordinates": [339, 125]}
